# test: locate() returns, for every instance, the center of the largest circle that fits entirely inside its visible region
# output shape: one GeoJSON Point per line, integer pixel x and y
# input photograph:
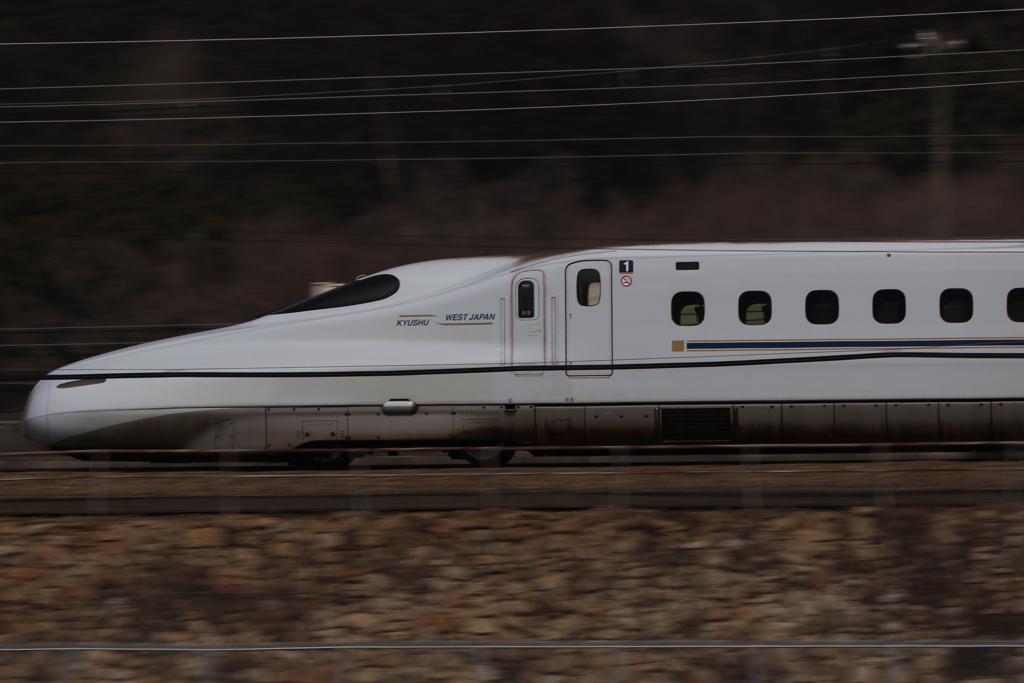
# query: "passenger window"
{"type": "Point", "coordinates": [688, 308]}
{"type": "Point", "coordinates": [889, 306]}
{"type": "Point", "coordinates": [755, 308]}
{"type": "Point", "coordinates": [822, 307]}
{"type": "Point", "coordinates": [956, 305]}
{"type": "Point", "coordinates": [1015, 305]}
{"type": "Point", "coordinates": [526, 299]}
{"type": "Point", "coordinates": [588, 287]}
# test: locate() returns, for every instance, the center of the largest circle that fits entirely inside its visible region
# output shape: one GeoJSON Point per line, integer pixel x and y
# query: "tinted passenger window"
{"type": "Point", "coordinates": [588, 287]}
{"type": "Point", "coordinates": [822, 307]}
{"type": "Point", "coordinates": [526, 297]}
{"type": "Point", "coordinates": [688, 308]}
{"type": "Point", "coordinates": [889, 306]}
{"type": "Point", "coordinates": [755, 308]}
{"type": "Point", "coordinates": [1015, 305]}
{"type": "Point", "coordinates": [956, 305]}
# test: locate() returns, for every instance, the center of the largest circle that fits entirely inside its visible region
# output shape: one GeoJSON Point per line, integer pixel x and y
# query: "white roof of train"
{"type": "Point", "coordinates": [784, 247]}
{"type": "Point", "coordinates": [819, 246]}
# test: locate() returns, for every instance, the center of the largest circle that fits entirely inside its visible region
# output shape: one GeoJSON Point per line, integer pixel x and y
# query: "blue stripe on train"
{"type": "Point", "coordinates": [848, 344]}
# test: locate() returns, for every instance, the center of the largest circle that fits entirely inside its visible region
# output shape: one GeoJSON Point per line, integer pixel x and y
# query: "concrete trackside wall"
{"type": "Point", "coordinates": [505, 575]}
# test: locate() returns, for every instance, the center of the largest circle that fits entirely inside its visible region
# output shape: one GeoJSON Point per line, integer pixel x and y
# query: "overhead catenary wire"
{"type": "Point", "coordinates": [518, 157]}
{"type": "Point", "coordinates": [631, 138]}
{"type": "Point", "coordinates": [540, 73]}
{"type": "Point", "coordinates": [483, 32]}
{"type": "Point", "coordinates": [544, 74]}
{"type": "Point", "coordinates": [357, 95]}
{"type": "Point", "coordinates": [557, 73]}
{"type": "Point", "coordinates": [467, 110]}
{"type": "Point", "coordinates": [781, 160]}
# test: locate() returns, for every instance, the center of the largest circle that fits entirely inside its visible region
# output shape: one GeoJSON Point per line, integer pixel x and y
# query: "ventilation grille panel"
{"type": "Point", "coordinates": [696, 424]}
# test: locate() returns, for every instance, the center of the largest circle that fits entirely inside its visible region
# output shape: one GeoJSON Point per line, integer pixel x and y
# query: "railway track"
{"type": "Point", "coordinates": [566, 455]}
{"type": "Point", "coordinates": [266, 488]}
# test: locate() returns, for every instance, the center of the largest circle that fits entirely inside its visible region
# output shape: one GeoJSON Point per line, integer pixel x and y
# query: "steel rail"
{"type": "Point", "coordinates": [235, 471]}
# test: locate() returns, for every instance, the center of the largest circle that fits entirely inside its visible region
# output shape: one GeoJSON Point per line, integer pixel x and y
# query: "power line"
{"type": "Point", "coordinates": [524, 157]}
{"type": "Point", "coordinates": [311, 97]}
{"type": "Point", "coordinates": [578, 29]}
{"type": "Point", "coordinates": [580, 71]}
{"type": "Point", "coordinates": [782, 160]}
{"type": "Point", "coordinates": [470, 110]}
{"type": "Point", "coordinates": [323, 143]}
{"type": "Point", "coordinates": [555, 73]}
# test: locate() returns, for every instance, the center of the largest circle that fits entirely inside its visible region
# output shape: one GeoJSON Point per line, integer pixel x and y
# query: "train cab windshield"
{"type": "Point", "coordinates": [362, 291]}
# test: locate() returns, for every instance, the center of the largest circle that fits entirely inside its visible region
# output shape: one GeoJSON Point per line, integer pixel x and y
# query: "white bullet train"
{"type": "Point", "coordinates": [759, 343]}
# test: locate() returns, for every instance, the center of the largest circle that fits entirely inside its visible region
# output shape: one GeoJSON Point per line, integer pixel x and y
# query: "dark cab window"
{"type": "Point", "coordinates": [363, 291]}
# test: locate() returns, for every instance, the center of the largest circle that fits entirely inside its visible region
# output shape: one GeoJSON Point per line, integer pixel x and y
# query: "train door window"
{"type": "Point", "coordinates": [755, 308]}
{"type": "Point", "coordinates": [822, 307]}
{"type": "Point", "coordinates": [1015, 305]}
{"type": "Point", "coordinates": [588, 287]}
{"type": "Point", "coordinates": [956, 305]}
{"type": "Point", "coordinates": [889, 306]}
{"type": "Point", "coordinates": [688, 308]}
{"type": "Point", "coordinates": [526, 300]}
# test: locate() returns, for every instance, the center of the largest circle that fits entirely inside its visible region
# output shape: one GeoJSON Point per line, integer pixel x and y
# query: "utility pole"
{"type": "Point", "coordinates": [940, 181]}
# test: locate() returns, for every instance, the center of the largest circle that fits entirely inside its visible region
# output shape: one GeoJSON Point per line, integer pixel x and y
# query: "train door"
{"type": "Point", "coordinates": [528, 330]}
{"type": "Point", "coordinates": [588, 317]}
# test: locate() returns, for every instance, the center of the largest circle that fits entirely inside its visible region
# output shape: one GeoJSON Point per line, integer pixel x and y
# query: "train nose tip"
{"type": "Point", "coordinates": [35, 419]}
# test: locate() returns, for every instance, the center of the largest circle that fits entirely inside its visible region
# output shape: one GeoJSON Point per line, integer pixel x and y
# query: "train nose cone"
{"type": "Point", "coordinates": [35, 420]}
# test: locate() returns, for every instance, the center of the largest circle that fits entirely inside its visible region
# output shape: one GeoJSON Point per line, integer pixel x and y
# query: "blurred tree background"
{"type": "Point", "coordinates": [175, 180]}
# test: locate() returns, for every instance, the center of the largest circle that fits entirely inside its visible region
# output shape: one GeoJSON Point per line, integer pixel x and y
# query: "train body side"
{"type": "Point", "coordinates": [586, 367]}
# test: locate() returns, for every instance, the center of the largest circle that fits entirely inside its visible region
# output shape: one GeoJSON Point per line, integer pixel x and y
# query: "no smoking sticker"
{"type": "Point", "coordinates": [626, 281]}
